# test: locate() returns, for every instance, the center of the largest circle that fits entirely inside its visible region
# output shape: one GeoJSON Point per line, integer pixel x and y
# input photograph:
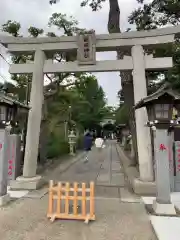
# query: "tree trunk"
{"type": "Point", "coordinates": [127, 86]}
{"type": "Point", "coordinates": [114, 17]}
{"type": "Point", "coordinates": [43, 138]}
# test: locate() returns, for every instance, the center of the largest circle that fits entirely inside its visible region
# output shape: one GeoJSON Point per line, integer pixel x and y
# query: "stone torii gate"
{"type": "Point", "coordinates": [86, 46]}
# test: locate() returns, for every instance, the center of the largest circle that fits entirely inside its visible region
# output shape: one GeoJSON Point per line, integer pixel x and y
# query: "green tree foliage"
{"type": "Point", "coordinates": [122, 112]}
{"type": "Point", "coordinates": [35, 32]}
{"type": "Point", "coordinates": [122, 115]}
{"type": "Point", "coordinates": [92, 108]}
{"type": "Point", "coordinates": [11, 27]}
{"type": "Point", "coordinates": [22, 80]}
{"type": "Point", "coordinates": [82, 104]}
{"type": "Point", "coordinates": [68, 25]}
{"type": "Point", "coordinates": [157, 14]}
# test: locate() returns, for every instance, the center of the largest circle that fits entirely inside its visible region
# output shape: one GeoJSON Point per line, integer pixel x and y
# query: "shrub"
{"type": "Point", "coordinates": [57, 146]}
{"type": "Point", "coordinates": [79, 143]}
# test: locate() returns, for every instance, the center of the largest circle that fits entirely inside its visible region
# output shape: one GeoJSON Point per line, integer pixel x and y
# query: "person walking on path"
{"type": "Point", "coordinates": [100, 144]}
{"type": "Point", "coordinates": [87, 145]}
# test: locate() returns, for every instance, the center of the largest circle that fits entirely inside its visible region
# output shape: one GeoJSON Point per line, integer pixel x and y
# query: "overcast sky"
{"type": "Point", "coordinates": [37, 12]}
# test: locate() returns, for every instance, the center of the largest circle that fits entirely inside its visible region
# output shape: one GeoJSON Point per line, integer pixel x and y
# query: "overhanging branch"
{"type": "Point", "coordinates": [49, 78]}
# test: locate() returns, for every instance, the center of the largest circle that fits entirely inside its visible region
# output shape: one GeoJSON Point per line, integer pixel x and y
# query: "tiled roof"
{"type": "Point", "coordinates": [11, 101]}
{"type": "Point", "coordinates": [164, 89]}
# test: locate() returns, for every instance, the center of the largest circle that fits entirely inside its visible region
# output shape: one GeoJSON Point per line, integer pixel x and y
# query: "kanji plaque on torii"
{"type": "Point", "coordinates": [86, 52]}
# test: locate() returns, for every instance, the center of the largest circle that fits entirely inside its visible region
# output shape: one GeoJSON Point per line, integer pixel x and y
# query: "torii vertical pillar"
{"type": "Point", "coordinates": [141, 117]}
{"type": "Point", "coordinates": [29, 180]}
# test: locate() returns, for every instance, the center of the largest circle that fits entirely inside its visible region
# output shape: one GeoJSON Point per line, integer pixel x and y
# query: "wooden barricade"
{"type": "Point", "coordinates": [63, 196]}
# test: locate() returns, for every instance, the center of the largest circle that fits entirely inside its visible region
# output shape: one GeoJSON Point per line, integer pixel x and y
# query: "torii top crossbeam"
{"type": "Point", "coordinates": [104, 42]}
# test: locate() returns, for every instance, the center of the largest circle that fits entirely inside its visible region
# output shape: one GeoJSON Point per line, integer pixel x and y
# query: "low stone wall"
{"type": "Point", "coordinates": [130, 171]}
{"type": "Point", "coordinates": [132, 175]}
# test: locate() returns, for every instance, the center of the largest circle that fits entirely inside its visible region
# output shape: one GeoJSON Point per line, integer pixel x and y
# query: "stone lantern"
{"type": "Point", "coordinates": [72, 143]}
{"type": "Point", "coordinates": [8, 112]}
{"type": "Point", "coordinates": [160, 107]}
{"type": "Point", "coordinates": [125, 133]}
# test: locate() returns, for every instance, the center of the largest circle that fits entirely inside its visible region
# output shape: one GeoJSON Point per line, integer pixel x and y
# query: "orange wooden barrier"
{"type": "Point", "coordinates": [64, 199]}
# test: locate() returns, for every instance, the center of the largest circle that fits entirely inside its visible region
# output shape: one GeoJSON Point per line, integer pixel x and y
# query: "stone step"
{"type": "Point", "coordinates": [127, 196]}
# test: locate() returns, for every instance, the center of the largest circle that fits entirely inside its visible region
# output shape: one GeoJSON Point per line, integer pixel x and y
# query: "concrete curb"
{"type": "Point", "coordinates": [53, 163]}
{"type": "Point", "coordinates": [153, 229]}
{"type": "Point", "coordinates": [73, 161]}
{"type": "Point", "coordinates": [65, 165]}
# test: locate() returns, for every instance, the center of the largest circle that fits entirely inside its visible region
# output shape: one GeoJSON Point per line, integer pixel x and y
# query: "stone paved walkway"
{"type": "Point", "coordinates": [116, 218]}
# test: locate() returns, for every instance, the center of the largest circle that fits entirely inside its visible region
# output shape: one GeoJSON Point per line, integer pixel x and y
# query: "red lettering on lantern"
{"type": "Point", "coordinates": [162, 147]}
{"type": "Point", "coordinates": [10, 161]}
{"type": "Point", "coordinates": [10, 167]}
{"type": "Point", "coordinates": [0, 145]}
